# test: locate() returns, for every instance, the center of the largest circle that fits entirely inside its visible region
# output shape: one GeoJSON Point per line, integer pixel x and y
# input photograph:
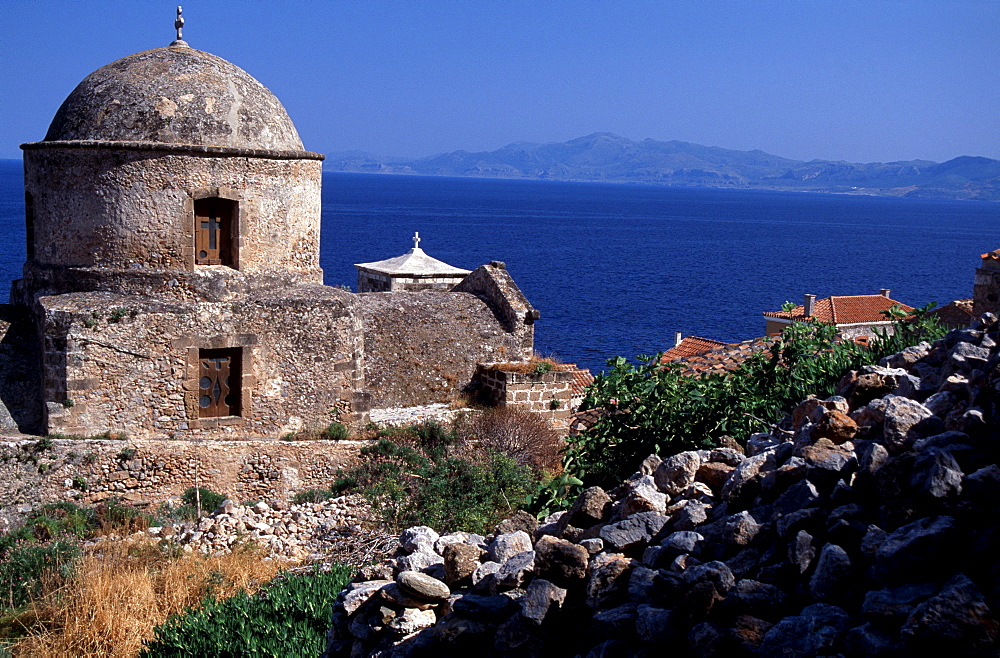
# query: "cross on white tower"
{"type": "Point", "coordinates": [416, 239]}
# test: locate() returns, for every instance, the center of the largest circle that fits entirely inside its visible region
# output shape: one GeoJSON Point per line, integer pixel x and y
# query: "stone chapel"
{"type": "Point", "coordinates": [173, 276]}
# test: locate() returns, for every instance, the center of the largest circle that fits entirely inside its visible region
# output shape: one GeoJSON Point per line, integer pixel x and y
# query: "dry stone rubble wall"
{"type": "Point", "coordinates": [863, 524]}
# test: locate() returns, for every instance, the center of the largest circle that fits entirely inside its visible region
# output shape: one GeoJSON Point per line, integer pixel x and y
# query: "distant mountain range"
{"type": "Point", "coordinates": [610, 158]}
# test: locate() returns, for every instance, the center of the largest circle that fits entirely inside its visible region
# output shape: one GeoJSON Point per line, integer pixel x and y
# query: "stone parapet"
{"type": "Point", "coordinates": [548, 393]}
{"type": "Point", "coordinates": [494, 285]}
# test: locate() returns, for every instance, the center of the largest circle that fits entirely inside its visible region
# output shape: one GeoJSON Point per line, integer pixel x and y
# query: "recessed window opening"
{"type": "Point", "coordinates": [213, 231]}
{"type": "Point", "coordinates": [29, 224]}
{"type": "Point", "coordinates": [219, 385]}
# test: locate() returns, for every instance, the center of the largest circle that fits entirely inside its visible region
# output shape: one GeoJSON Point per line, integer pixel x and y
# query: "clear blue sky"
{"type": "Point", "coordinates": [859, 81]}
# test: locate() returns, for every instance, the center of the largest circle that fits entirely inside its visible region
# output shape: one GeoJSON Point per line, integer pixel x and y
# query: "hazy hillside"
{"type": "Point", "coordinates": [608, 157]}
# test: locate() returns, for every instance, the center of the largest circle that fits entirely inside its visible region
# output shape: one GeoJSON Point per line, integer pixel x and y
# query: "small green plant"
{"type": "Point", "coordinates": [42, 444]}
{"type": "Point", "coordinates": [554, 404]}
{"type": "Point", "coordinates": [44, 468]}
{"type": "Point", "coordinates": [90, 458]}
{"type": "Point", "coordinates": [335, 432]}
{"type": "Point", "coordinates": [79, 483]}
{"type": "Point", "coordinates": [543, 367]}
{"type": "Point", "coordinates": [313, 496]}
{"type": "Point", "coordinates": [118, 314]}
{"type": "Point", "coordinates": [125, 454]}
{"type": "Point", "coordinates": [93, 320]}
{"type": "Point", "coordinates": [68, 403]}
{"type": "Point", "coordinates": [556, 493]}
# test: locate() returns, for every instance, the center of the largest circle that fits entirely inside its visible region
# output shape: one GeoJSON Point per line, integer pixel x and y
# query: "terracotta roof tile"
{"type": "Point", "coordinates": [844, 309]}
{"type": "Point", "coordinates": [722, 358]}
{"type": "Point", "coordinates": [689, 346]}
{"type": "Point", "coordinates": [581, 380]}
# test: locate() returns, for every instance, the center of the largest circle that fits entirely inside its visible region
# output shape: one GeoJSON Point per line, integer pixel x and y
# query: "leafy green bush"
{"type": "Point", "coordinates": [289, 617]}
{"type": "Point", "coordinates": [210, 501]}
{"type": "Point", "coordinates": [335, 432]}
{"type": "Point", "coordinates": [188, 510]}
{"type": "Point", "coordinates": [652, 407]}
{"type": "Point", "coordinates": [428, 476]}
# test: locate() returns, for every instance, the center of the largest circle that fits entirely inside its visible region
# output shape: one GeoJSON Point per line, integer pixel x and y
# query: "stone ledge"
{"type": "Point", "coordinates": [175, 148]}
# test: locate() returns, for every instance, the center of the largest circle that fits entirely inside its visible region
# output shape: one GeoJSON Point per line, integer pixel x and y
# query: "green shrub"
{"type": "Point", "coordinates": [113, 514]}
{"type": "Point", "coordinates": [312, 496]}
{"type": "Point", "coordinates": [24, 563]}
{"type": "Point", "coordinates": [335, 432]}
{"type": "Point", "coordinates": [289, 617]}
{"type": "Point", "coordinates": [653, 408]}
{"type": "Point", "coordinates": [188, 510]}
{"type": "Point", "coordinates": [428, 476]}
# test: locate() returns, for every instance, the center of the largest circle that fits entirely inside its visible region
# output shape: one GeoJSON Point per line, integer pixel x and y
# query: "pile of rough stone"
{"type": "Point", "coordinates": [862, 525]}
{"type": "Point", "coordinates": [309, 531]}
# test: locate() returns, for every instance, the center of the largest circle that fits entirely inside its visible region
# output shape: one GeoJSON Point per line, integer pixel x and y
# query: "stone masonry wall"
{"type": "Point", "coordinates": [548, 394]}
{"type": "Point", "coordinates": [494, 285]}
{"type": "Point", "coordinates": [423, 347]}
{"type": "Point", "coordinates": [131, 212]}
{"type": "Point", "coordinates": [133, 366]}
{"type": "Point", "coordinates": [986, 289]}
{"type": "Point", "coordinates": [150, 472]}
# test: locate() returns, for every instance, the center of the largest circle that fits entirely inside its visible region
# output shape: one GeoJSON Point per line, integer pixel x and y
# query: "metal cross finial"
{"type": "Point", "coordinates": [178, 24]}
{"type": "Point", "coordinates": [416, 239]}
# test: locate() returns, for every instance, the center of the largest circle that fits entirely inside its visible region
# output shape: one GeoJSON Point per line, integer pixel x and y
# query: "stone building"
{"type": "Point", "coordinates": [986, 289]}
{"type": "Point", "coordinates": [414, 271]}
{"type": "Point", "coordinates": [173, 278]}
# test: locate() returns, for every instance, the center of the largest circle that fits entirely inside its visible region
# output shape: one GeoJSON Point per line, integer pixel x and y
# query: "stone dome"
{"type": "Point", "coordinates": [175, 95]}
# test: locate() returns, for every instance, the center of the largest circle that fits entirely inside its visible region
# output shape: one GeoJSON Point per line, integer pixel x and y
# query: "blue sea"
{"type": "Point", "coordinates": [616, 269]}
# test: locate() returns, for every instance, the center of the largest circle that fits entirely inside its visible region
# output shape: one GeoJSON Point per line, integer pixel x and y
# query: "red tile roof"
{"type": "Point", "coordinates": [847, 309]}
{"type": "Point", "coordinates": [724, 357]}
{"type": "Point", "coordinates": [581, 380]}
{"type": "Point", "coordinates": [690, 346]}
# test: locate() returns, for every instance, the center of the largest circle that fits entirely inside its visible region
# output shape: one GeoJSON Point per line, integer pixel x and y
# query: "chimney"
{"type": "Point", "coordinates": [677, 338]}
{"type": "Point", "coordinates": [884, 291]}
{"type": "Point", "coordinates": [809, 304]}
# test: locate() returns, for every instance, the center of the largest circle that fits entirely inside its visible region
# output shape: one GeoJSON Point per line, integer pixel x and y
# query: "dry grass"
{"type": "Point", "coordinates": [521, 435]}
{"type": "Point", "coordinates": [531, 365]}
{"type": "Point", "coordinates": [119, 594]}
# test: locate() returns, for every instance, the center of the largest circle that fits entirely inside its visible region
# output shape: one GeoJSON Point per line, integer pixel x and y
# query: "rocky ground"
{"type": "Point", "coordinates": [862, 525]}
{"type": "Point", "coordinates": [338, 529]}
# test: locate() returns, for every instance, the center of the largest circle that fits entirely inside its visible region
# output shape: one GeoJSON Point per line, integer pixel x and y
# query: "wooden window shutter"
{"type": "Point", "coordinates": [213, 231]}
{"type": "Point", "coordinates": [219, 383]}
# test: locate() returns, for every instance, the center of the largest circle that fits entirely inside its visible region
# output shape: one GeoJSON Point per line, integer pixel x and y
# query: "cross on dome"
{"type": "Point", "coordinates": [178, 25]}
{"type": "Point", "coordinates": [416, 239]}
